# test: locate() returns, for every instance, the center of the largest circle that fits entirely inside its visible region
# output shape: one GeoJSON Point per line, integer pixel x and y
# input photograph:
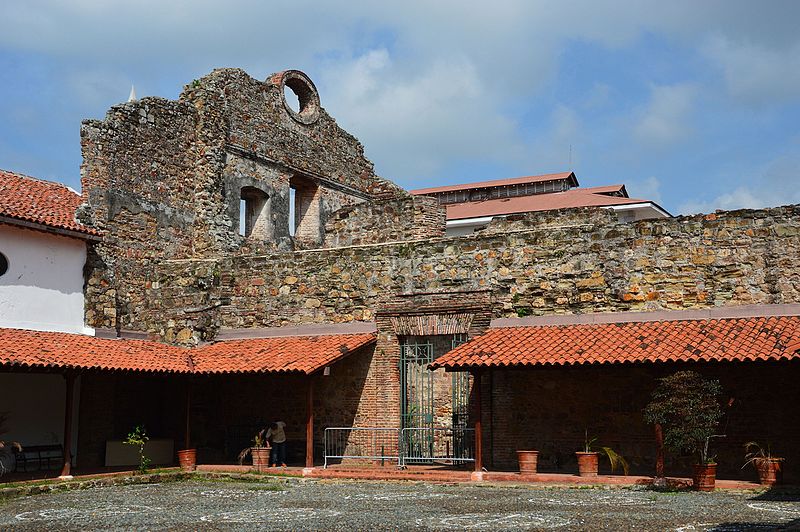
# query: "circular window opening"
{"type": "Point", "coordinates": [300, 97]}
{"type": "Point", "coordinates": [3, 264]}
{"type": "Point", "coordinates": [291, 98]}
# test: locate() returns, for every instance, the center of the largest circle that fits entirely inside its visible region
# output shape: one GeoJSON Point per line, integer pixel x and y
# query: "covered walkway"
{"type": "Point", "coordinates": [124, 381]}
{"type": "Point", "coordinates": [544, 383]}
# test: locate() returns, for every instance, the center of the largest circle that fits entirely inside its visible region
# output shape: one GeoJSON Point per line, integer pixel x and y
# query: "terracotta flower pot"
{"type": "Point", "coordinates": [527, 461]}
{"type": "Point", "coordinates": [260, 457]}
{"type": "Point", "coordinates": [704, 477]}
{"type": "Point", "coordinates": [587, 464]}
{"type": "Point", "coordinates": [187, 458]}
{"type": "Point", "coordinates": [770, 471]}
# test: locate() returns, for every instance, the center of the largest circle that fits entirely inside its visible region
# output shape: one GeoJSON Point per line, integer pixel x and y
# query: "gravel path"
{"type": "Point", "coordinates": [350, 505]}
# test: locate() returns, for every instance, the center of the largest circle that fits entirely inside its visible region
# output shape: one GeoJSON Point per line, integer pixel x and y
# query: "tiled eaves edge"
{"type": "Point", "coordinates": [597, 363]}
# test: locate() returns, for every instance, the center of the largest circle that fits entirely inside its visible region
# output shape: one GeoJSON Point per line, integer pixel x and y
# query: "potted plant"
{"type": "Point", "coordinates": [8, 449]}
{"type": "Point", "coordinates": [588, 460]}
{"type": "Point", "coordinates": [259, 451]}
{"type": "Point", "coordinates": [769, 468]}
{"type": "Point", "coordinates": [686, 406]}
{"type": "Point", "coordinates": [187, 458]}
{"type": "Point", "coordinates": [527, 461]}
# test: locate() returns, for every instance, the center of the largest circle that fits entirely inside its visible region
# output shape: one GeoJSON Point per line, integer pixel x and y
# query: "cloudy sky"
{"type": "Point", "coordinates": [695, 104]}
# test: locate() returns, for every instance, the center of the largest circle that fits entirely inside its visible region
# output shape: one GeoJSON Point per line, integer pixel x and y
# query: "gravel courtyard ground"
{"type": "Point", "coordinates": [350, 505]}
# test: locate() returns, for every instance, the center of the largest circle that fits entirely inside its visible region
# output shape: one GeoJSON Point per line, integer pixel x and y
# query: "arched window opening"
{"type": "Point", "coordinates": [254, 214]}
{"type": "Point", "coordinates": [304, 220]}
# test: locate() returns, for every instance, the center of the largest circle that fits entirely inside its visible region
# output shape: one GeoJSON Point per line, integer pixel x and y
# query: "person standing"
{"type": "Point", "coordinates": [278, 439]}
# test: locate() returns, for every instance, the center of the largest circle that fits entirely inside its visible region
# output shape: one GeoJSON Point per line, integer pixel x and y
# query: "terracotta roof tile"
{"type": "Point", "coordinates": [77, 351]}
{"type": "Point", "coordinates": [570, 199]}
{"type": "Point", "coordinates": [42, 202]}
{"type": "Point", "coordinates": [305, 354]}
{"type": "Point", "coordinates": [498, 183]}
{"type": "Point", "coordinates": [734, 339]}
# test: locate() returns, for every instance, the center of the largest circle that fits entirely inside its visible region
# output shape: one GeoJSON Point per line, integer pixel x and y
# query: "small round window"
{"type": "Point", "coordinates": [300, 96]}
{"type": "Point", "coordinates": [3, 264]}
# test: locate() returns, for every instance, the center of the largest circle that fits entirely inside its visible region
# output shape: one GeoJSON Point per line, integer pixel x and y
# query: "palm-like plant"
{"type": "Point", "coordinates": [258, 441]}
{"type": "Point", "coordinates": [614, 458]}
{"type": "Point", "coordinates": [757, 455]}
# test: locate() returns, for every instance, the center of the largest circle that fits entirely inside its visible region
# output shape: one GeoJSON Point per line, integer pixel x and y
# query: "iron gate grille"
{"type": "Point", "coordinates": [462, 445]}
{"type": "Point", "coordinates": [416, 382]}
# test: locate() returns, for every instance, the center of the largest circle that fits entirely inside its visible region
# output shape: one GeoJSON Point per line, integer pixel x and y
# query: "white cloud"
{"type": "Point", "coordinates": [666, 119]}
{"type": "Point", "coordinates": [755, 73]}
{"type": "Point", "coordinates": [648, 188]}
{"type": "Point", "coordinates": [424, 85]}
{"type": "Point", "coordinates": [417, 120]}
{"type": "Point", "coordinates": [777, 183]}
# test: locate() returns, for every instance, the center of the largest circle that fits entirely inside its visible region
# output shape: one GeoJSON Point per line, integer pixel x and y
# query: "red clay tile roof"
{"type": "Point", "coordinates": [570, 199]}
{"type": "Point", "coordinates": [305, 354]}
{"type": "Point", "coordinates": [77, 351]}
{"type": "Point", "coordinates": [498, 183]}
{"type": "Point", "coordinates": [607, 189]}
{"type": "Point", "coordinates": [735, 339]}
{"type": "Point", "coordinates": [45, 203]}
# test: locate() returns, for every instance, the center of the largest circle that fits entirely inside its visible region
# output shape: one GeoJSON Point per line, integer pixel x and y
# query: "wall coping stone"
{"type": "Point", "coordinates": [315, 329]}
{"type": "Point", "coordinates": [732, 311]}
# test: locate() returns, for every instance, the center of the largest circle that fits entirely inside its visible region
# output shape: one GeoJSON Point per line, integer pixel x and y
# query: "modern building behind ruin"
{"type": "Point", "coordinates": [194, 199]}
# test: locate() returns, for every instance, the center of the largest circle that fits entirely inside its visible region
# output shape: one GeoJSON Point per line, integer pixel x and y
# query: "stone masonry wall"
{"type": "Point", "coordinates": [598, 265]}
{"type": "Point", "coordinates": [138, 188]}
{"type": "Point", "coordinates": [395, 220]}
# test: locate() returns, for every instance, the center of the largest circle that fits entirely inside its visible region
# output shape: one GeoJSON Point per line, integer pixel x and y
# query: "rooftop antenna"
{"type": "Point", "coordinates": [132, 96]}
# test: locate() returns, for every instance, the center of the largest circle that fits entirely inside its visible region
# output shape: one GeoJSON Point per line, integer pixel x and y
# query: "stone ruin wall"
{"type": "Point", "coordinates": [590, 263]}
{"type": "Point", "coordinates": [385, 221]}
{"type": "Point", "coordinates": [140, 197]}
{"type": "Point", "coordinates": [163, 179]}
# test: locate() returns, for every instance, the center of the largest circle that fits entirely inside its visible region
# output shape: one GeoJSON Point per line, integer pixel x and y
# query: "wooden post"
{"type": "Point", "coordinates": [659, 451]}
{"type": "Point", "coordinates": [188, 439]}
{"type": "Point", "coordinates": [478, 425]}
{"type": "Point", "coordinates": [310, 423]}
{"type": "Point", "coordinates": [70, 380]}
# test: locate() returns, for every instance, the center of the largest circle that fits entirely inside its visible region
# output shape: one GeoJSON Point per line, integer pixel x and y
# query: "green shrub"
{"type": "Point", "coordinates": [687, 407]}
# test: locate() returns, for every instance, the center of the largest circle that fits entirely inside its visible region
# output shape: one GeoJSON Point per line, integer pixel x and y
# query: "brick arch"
{"type": "Point", "coordinates": [432, 324]}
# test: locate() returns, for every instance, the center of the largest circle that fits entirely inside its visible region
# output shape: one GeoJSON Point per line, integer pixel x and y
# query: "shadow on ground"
{"type": "Point", "coordinates": [794, 524]}
{"type": "Point", "coordinates": [780, 493]}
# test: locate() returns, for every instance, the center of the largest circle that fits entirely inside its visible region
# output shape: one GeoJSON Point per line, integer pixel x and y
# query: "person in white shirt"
{"type": "Point", "coordinates": [278, 453]}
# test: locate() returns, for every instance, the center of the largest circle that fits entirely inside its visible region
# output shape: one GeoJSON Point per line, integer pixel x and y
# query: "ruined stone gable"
{"type": "Point", "coordinates": [168, 180]}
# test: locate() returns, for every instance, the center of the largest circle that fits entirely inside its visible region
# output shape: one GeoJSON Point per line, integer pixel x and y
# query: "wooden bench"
{"type": "Point", "coordinates": [44, 456]}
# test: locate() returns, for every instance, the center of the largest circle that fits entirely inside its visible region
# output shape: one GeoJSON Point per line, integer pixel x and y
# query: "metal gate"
{"type": "Point", "coordinates": [462, 444]}
{"type": "Point", "coordinates": [416, 407]}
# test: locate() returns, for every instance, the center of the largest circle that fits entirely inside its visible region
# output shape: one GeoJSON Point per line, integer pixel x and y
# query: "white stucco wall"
{"type": "Point", "coordinates": [43, 288]}
{"type": "Point", "coordinates": [34, 404]}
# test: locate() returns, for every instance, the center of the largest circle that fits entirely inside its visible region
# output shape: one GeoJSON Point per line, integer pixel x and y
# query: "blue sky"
{"type": "Point", "coordinates": [695, 104]}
